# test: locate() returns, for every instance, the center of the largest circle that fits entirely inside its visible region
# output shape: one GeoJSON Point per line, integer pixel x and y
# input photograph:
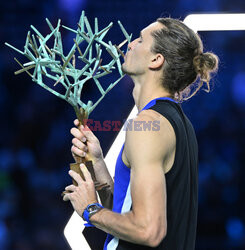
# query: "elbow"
{"type": "Point", "coordinates": [155, 240]}
{"type": "Point", "coordinates": [154, 236]}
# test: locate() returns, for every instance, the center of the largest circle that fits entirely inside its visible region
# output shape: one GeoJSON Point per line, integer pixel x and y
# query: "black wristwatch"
{"type": "Point", "coordinates": [90, 210]}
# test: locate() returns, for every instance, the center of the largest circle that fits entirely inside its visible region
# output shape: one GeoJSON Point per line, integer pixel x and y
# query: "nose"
{"type": "Point", "coordinates": [131, 45]}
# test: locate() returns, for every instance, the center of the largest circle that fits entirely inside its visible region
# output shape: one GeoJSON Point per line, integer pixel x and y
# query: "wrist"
{"type": "Point", "coordinates": [95, 218]}
{"type": "Point", "coordinates": [99, 165]}
{"type": "Point", "coordinates": [99, 160]}
{"type": "Point", "coordinates": [90, 211]}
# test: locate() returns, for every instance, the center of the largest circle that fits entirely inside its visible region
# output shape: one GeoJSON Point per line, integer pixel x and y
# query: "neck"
{"type": "Point", "coordinates": [146, 89]}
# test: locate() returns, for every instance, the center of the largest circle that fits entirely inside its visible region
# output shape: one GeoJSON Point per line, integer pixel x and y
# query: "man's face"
{"type": "Point", "coordinates": [139, 55]}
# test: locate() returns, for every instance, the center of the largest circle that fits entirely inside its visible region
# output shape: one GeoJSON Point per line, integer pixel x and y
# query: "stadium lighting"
{"type": "Point", "coordinates": [197, 22]}
{"type": "Point", "coordinates": [209, 22]}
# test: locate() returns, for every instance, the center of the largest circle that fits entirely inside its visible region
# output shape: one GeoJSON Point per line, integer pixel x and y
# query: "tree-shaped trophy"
{"type": "Point", "coordinates": [52, 63]}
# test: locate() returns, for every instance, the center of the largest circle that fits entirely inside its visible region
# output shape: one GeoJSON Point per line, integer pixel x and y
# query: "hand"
{"type": "Point", "coordinates": [85, 144]}
{"type": "Point", "coordinates": [82, 195]}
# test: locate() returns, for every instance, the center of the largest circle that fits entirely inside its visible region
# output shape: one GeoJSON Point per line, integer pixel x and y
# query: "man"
{"type": "Point", "coordinates": [155, 190]}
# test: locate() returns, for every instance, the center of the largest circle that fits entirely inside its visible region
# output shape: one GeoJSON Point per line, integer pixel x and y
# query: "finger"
{"type": "Point", "coordinates": [80, 145]}
{"type": "Point", "coordinates": [77, 152]}
{"type": "Point", "coordinates": [70, 188]}
{"type": "Point", "coordinates": [76, 157]}
{"type": "Point", "coordinates": [66, 197]}
{"type": "Point", "coordinates": [88, 134]}
{"type": "Point", "coordinates": [76, 122]}
{"type": "Point", "coordinates": [83, 133]}
{"type": "Point", "coordinates": [76, 177]}
{"type": "Point", "coordinates": [85, 172]}
{"type": "Point", "coordinates": [78, 134]}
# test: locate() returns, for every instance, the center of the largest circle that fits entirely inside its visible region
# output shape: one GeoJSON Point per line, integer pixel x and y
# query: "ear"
{"type": "Point", "coordinates": [156, 61]}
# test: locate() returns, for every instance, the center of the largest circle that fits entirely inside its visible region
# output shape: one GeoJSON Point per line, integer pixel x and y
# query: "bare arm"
{"type": "Point", "coordinates": [103, 176]}
{"type": "Point", "coordinates": [149, 153]}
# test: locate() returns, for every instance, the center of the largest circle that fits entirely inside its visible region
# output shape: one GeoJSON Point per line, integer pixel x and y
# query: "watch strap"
{"type": "Point", "coordinates": [86, 214]}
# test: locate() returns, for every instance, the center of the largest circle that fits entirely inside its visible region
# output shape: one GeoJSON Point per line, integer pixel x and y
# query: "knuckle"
{"type": "Point", "coordinates": [83, 154]}
{"type": "Point", "coordinates": [75, 150]}
{"type": "Point", "coordinates": [90, 182]}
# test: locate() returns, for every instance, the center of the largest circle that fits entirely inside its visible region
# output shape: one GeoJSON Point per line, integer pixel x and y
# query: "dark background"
{"type": "Point", "coordinates": [35, 140]}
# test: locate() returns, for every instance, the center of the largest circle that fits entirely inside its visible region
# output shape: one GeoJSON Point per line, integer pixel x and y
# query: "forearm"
{"type": "Point", "coordinates": [123, 226]}
{"type": "Point", "coordinates": [106, 198]}
{"type": "Point", "coordinates": [103, 176]}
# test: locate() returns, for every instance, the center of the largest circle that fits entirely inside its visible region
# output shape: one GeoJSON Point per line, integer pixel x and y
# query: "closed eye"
{"type": "Point", "coordinates": [140, 38]}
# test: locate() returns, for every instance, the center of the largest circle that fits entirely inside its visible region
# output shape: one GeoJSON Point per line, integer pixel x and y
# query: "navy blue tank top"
{"type": "Point", "coordinates": [181, 183]}
{"type": "Point", "coordinates": [122, 201]}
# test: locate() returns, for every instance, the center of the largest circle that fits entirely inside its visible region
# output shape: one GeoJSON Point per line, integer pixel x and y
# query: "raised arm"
{"type": "Point", "coordinates": [92, 151]}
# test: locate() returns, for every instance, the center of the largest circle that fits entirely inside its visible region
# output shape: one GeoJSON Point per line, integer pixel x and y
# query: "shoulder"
{"type": "Point", "coordinates": [150, 134]}
{"type": "Point", "coordinates": [151, 122]}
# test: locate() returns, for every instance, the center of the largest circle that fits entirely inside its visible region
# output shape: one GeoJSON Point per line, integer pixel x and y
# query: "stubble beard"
{"type": "Point", "coordinates": [124, 70]}
{"type": "Point", "coordinates": [127, 71]}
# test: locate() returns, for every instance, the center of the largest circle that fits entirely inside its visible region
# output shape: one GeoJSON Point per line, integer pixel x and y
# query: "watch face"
{"type": "Point", "coordinates": [92, 208]}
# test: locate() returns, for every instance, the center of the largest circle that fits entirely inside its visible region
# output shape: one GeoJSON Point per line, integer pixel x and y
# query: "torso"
{"type": "Point", "coordinates": [181, 183]}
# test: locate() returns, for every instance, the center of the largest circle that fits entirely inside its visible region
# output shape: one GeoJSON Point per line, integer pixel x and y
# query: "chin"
{"type": "Point", "coordinates": [123, 68]}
